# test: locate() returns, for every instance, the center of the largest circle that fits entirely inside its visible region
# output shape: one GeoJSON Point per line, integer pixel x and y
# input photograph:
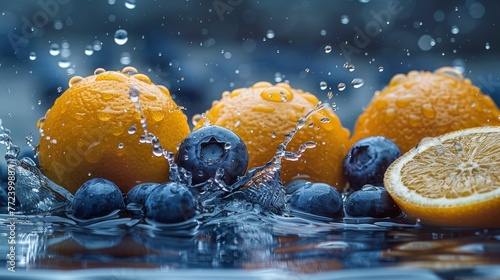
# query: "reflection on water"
{"type": "Point", "coordinates": [250, 241]}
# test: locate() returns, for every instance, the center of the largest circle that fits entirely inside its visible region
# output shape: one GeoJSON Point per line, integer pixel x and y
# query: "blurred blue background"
{"type": "Point", "coordinates": [198, 49]}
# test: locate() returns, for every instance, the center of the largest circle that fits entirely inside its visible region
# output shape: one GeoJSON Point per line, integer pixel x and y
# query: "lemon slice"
{"type": "Point", "coordinates": [450, 180]}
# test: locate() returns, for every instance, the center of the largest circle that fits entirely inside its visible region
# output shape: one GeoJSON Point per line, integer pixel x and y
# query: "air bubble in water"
{"type": "Point", "coordinates": [329, 95]}
{"type": "Point", "coordinates": [323, 85]}
{"type": "Point", "coordinates": [357, 82]}
{"type": "Point", "coordinates": [278, 77]}
{"type": "Point", "coordinates": [32, 55]}
{"type": "Point", "coordinates": [341, 86]}
{"type": "Point", "coordinates": [54, 49]}
{"type": "Point", "coordinates": [89, 50]}
{"type": "Point", "coordinates": [130, 4]}
{"type": "Point", "coordinates": [120, 146]}
{"type": "Point", "coordinates": [328, 49]}
{"type": "Point", "coordinates": [455, 29]}
{"type": "Point", "coordinates": [270, 34]}
{"type": "Point", "coordinates": [121, 36]}
{"type": "Point", "coordinates": [381, 69]}
{"type": "Point", "coordinates": [487, 46]}
{"type": "Point", "coordinates": [344, 19]}
{"type": "Point", "coordinates": [351, 68]}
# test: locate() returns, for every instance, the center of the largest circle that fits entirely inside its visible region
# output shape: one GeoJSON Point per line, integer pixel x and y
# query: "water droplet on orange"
{"type": "Point", "coordinates": [130, 70]}
{"type": "Point", "coordinates": [99, 71]}
{"type": "Point", "coordinates": [428, 111]}
{"type": "Point", "coordinates": [74, 80]}
{"type": "Point", "coordinates": [143, 78]}
{"type": "Point", "coordinates": [276, 94]}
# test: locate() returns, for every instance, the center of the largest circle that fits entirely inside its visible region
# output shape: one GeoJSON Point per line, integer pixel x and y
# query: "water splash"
{"type": "Point", "coordinates": [35, 192]}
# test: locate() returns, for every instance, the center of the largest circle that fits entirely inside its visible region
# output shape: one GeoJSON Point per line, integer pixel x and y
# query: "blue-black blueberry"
{"type": "Point", "coordinates": [317, 198]}
{"type": "Point", "coordinates": [209, 148]}
{"type": "Point", "coordinates": [96, 197]}
{"type": "Point", "coordinates": [140, 193]}
{"type": "Point", "coordinates": [368, 159]}
{"type": "Point", "coordinates": [371, 201]}
{"type": "Point", "coordinates": [171, 202]}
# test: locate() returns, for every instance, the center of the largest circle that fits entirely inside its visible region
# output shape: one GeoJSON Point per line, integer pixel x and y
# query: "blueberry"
{"type": "Point", "coordinates": [140, 193]}
{"type": "Point", "coordinates": [212, 147]}
{"type": "Point", "coordinates": [317, 198]}
{"type": "Point", "coordinates": [368, 159]}
{"type": "Point", "coordinates": [171, 202]}
{"type": "Point", "coordinates": [96, 197]}
{"type": "Point", "coordinates": [28, 152]}
{"type": "Point", "coordinates": [371, 201]}
{"type": "Point", "coordinates": [294, 186]}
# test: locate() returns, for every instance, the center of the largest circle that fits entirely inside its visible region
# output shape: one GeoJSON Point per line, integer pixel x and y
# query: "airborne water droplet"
{"type": "Point", "coordinates": [130, 4]}
{"type": "Point", "coordinates": [89, 50]}
{"type": "Point", "coordinates": [121, 36]}
{"type": "Point", "coordinates": [341, 86]}
{"type": "Point", "coordinates": [54, 49]}
{"type": "Point", "coordinates": [328, 49]}
{"type": "Point", "coordinates": [323, 85]}
{"type": "Point", "coordinates": [357, 82]}
{"type": "Point", "coordinates": [270, 34]}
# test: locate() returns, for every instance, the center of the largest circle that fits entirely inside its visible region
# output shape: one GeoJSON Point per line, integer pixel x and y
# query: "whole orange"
{"type": "Point", "coordinates": [93, 130]}
{"type": "Point", "coordinates": [262, 114]}
{"type": "Point", "coordinates": [425, 104]}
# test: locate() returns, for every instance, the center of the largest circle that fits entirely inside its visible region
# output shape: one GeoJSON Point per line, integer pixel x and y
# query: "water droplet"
{"type": "Point", "coordinates": [329, 95]}
{"type": "Point", "coordinates": [120, 146]}
{"type": "Point", "coordinates": [134, 93]}
{"type": "Point", "coordinates": [32, 55]}
{"type": "Point", "coordinates": [125, 58]}
{"type": "Point", "coordinates": [323, 85]}
{"type": "Point", "coordinates": [381, 69]}
{"type": "Point", "coordinates": [351, 68]}
{"type": "Point", "coordinates": [341, 86]}
{"type": "Point", "coordinates": [328, 49]}
{"type": "Point", "coordinates": [227, 145]}
{"type": "Point", "coordinates": [63, 63]}
{"type": "Point", "coordinates": [307, 70]}
{"type": "Point", "coordinates": [54, 49]}
{"type": "Point", "coordinates": [132, 130]}
{"type": "Point", "coordinates": [130, 70]}
{"type": "Point", "coordinates": [428, 111]}
{"type": "Point", "coordinates": [121, 36]}
{"type": "Point", "coordinates": [130, 4]}
{"type": "Point", "coordinates": [89, 50]}
{"type": "Point", "coordinates": [357, 82]}
{"type": "Point", "coordinates": [270, 34]}
{"type": "Point", "coordinates": [455, 29]}
{"type": "Point", "coordinates": [487, 46]}
{"type": "Point", "coordinates": [97, 45]}
{"type": "Point", "coordinates": [325, 120]}
{"type": "Point", "coordinates": [344, 19]}
{"type": "Point", "coordinates": [273, 134]}
{"type": "Point", "coordinates": [74, 80]}
{"type": "Point", "coordinates": [98, 71]}
{"type": "Point", "coordinates": [426, 42]}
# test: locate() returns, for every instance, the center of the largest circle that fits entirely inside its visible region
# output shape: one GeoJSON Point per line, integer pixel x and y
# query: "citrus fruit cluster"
{"type": "Point", "coordinates": [92, 131]}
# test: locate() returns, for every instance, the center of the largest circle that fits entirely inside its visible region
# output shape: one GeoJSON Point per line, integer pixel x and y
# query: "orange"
{"type": "Point", "coordinates": [450, 180]}
{"type": "Point", "coordinates": [86, 132]}
{"type": "Point", "coordinates": [262, 114]}
{"type": "Point", "coordinates": [425, 104]}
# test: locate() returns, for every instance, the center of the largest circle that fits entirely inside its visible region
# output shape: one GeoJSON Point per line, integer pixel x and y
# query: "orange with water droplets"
{"type": "Point", "coordinates": [425, 104]}
{"type": "Point", "coordinates": [262, 114]}
{"type": "Point", "coordinates": [93, 130]}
